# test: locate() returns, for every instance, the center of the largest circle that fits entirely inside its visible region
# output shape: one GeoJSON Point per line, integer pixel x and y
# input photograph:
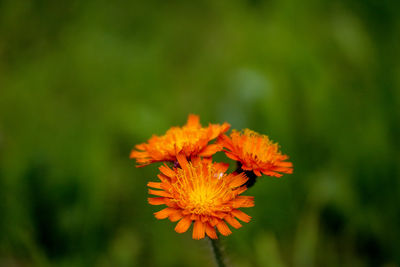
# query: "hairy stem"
{"type": "Point", "coordinates": [217, 251]}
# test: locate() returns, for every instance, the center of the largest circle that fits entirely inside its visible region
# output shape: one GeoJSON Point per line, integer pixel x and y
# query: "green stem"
{"type": "Point", "coordinates": [218, 255]}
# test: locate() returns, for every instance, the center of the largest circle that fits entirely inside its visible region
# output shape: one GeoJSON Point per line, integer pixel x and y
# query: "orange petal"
{"type": "Point", "coordinates": [162, 214]}
{"type": "Point", "coordinates": [246, 168]}
{"type": "Point", "coordinates": [284, 157]}
{"type": "Point", "coordinates": [183, 225]}
{"type": "Point", "coordinates": [142, 165]}
{"type": "Point", "coordinates": [225, 140]}
{"type": "Point", "coordinates": [238, 180]}
{"type": "Point", "coordinates": [141, 146]}
{"type": "Point", "coordinates": [217, 129]}
{"type": "Point", "coordinates": [193, 121]}
{"type": "Point", "coordinates": [231, 156]}
{"type": "Point", "coordinates": [154, 185]}
{"type": "Point", "coordinates": [285, 164]}
{"type": "Point", "coordinates": [283, 169]}
{"type": "Point", "coordinates": [159, 193]}
{"type": "Point", "coordinates": [213, 221]}
{"type": "Point", "coordinates": [257, 172]}
{"type": "Point", "coordinates": [166, 186]}
{"type": "Point", "coordinates": [223, 228]}
{"type": "Point", "coordinates": [232, 221]}
{"type": "Point", "coordinates": [182, 161]}
{"type": "Point", "coordinates": [225, 127]}
{"type": "Point", "coordinates": [199, 230]}
{"type": "Point", "coordinates": [210, 150]}
{"type": "Point", "coordinates": [241, 215]}
{"type": "Point", "coordinates": [177, 215]}
{"type": "Point", "coordinates": [240, 190]}
{"type": "Point", "coordinates": [167, 171]}
{"type": "Point", "coordinates": [271, 173]}
{"type": "Point", "coordinates": [156, 200]}
{"type": "Point", "coordinates": [138, 154]}
{"type": "Point", "coordinates": [243, 202]}
{"type": "Point", "coordinates": [210, 231]}
{"type": "Point", "coordinates": [133, 154]}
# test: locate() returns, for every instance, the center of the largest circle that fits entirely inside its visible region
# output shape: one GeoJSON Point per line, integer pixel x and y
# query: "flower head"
{"type": "Point", "coordinates": [256, 152]}
{"type": "Point", "coordinates": [199, 191]}
{"type": "Point", "coordinates": [190, 140]}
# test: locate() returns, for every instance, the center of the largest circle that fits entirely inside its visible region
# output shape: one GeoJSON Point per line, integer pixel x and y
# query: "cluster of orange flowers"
{"type": "Point", "coordinates": [196, 189]}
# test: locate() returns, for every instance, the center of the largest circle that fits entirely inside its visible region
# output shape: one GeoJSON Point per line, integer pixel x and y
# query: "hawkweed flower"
{"type": "Point", "coordinates": [256, 153]}
{"type": "Point", "coordinates": [195, 190]}
{"type": "Point", "coordinates": [190, 140]}
{"type": "Point", "coordinates": [199, 191]}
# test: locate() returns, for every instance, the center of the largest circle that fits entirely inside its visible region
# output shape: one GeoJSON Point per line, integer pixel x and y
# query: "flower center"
{"type": "Point", "coordinates": [200, 190]}
{"type": "Point", "coordinates": [202, 200]}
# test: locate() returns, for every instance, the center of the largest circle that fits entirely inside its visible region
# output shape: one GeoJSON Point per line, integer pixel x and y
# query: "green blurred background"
{"type": "Point", "coordinates": [82, 82]}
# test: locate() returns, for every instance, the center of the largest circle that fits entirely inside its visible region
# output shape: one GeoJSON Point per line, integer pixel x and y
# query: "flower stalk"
{"type": "Point", "coordinates": [217, 252]}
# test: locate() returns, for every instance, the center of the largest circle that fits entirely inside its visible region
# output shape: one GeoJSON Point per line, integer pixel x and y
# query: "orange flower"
{"type": "Point", "coordinates": [256, 153]}
{"type": "Point", "coordinates": [202, 193]}
{"type": "Point", "coordinates": [190, 140]}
